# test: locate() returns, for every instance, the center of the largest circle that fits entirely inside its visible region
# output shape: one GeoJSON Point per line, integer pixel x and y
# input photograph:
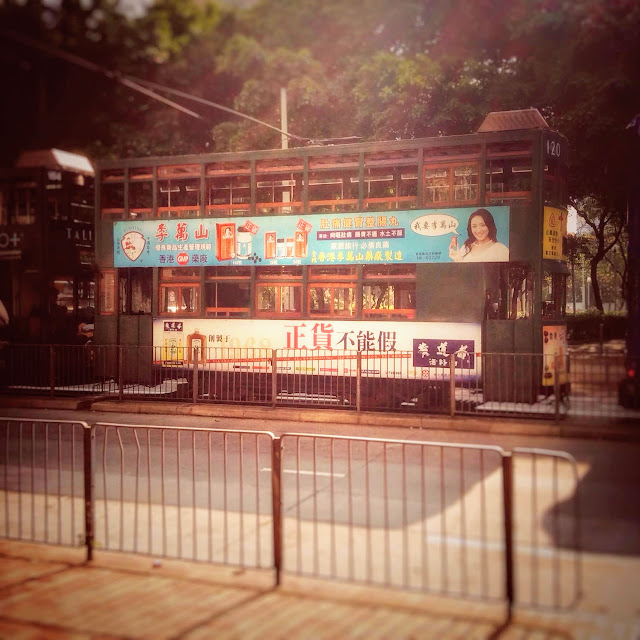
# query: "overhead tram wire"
{"type": "Point", "coordinates": [142, 86]}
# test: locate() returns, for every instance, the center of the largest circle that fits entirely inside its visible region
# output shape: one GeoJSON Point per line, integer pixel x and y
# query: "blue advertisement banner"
{"type": "Point", "coordinates": [433, 235]}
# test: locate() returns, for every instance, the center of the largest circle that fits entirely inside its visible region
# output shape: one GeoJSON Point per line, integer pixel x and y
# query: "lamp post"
{"type": "Point", "coordinates": [588, 296]}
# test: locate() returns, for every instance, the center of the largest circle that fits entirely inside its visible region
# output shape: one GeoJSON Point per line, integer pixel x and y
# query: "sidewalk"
{"type": "Point", "coordinates": [51, 592]}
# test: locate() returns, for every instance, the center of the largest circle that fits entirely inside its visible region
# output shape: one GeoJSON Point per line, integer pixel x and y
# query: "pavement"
{"type": "Point", "coordinates": [51, 592]}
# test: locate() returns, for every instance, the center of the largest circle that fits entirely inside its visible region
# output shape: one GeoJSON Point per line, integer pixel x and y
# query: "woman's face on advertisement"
{"type": "Point", "coordinates": [479, 229]}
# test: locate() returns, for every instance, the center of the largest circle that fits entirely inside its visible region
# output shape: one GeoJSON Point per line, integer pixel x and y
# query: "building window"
{"type": "Point", "coordinates": [389, 292]}
{"type": "Point", "coordinates": [279, 291]}
{"type": "Point", "coordinates": [135, 286]}
{"type": "Point", "coordinates": [227, 292]}
{"type": "Point", "coordinates": [332, 291]}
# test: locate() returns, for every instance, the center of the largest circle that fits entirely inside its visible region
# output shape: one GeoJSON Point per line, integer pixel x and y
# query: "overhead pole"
{"type": "Point", "coordinates": [283, 118]}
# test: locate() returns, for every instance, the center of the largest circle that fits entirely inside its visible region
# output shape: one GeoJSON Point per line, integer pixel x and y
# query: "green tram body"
{"type": "Point", "coordinates": [513, 305]}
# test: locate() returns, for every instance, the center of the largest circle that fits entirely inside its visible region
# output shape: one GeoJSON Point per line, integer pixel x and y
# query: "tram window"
{"type": "Point", "coordinates": [513, 298]}
{"type": "Point", "coordinates": [179, 273]}
{"type": "Point", "coordinates": [227, 292]}
{"type": "Point", "coordinates": [332, 299]}
{"type": "Point", "coordinates": [4, 204]}
{"type": "Point", "coordinates": [25, 202]}
{"type": "Point", "coordinates": [389, 291]}
{"type": "Point", "coordinates": [391, 188]}
{"type": "Point", "coordinates": [82, 202]}
{"type": "Point", "coordinates": [178, 198]}
{"type": "Point", "coordinates": [555, 182]}
{"type": "Point", "coordinates": [112, 199]}
{"type": "Point", "coordinates": [279, 291]}
{"type": "Point", "coordinates": [179, 298]}
{"type": "Point", "coordinates": [336, 190]}
{"type": "Point", "coordinates": [451, 184]}
{"type": "Point", "coordinates": [279, 193]}
{"type": "Point", "coordinates": [554, 295]}
{"type": "Point", "coordinates": [135, 287]}
{"type": "Point", "coordinates": [228, 195]}
{"type": "Point", "coordinates": [508, 179]}
{"type": "Point", "coordinates": [140, 199]}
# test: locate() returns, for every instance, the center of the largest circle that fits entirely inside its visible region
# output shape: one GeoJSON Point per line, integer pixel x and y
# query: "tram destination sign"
{"type": "Point", "coordinates": [469, 234]}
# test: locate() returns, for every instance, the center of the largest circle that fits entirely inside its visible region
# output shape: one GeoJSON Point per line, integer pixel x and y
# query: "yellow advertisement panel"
{"type": "Point", "coordinates": [554, 343]}
{"type": "Point", "coordinates": [554, 234]}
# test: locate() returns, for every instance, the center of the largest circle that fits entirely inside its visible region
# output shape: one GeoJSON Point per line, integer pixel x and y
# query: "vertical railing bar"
{"type": "Point", "coordinates": [256, 472]}
{"type": "Point", "coordinates": [298, 519]}
{"type": "Point", "coordinates": [507, 496]}
{"type": "Point", "coordinates": [178, 494]}
{"type": "Point", "coordinates": [88, 438]}
{"type": "Point", "coordinates": [59, 483]}
{"type": "Point", "coordinates": [333, 513]}
{"type": "Point", "coordinates": [73, 484]}
{"type": "Point", "coordinates": [557, 569]}
{"type": "Point", "coordinates": [405, 518]}
{"type": "Point", "coordinates": [241, 497]}
{"type": "Point", "coordinates": [118, 433]}
{"type": "Point", "coordinates": [209, 498]}
{"type": "Point", "coordinates": [193, 481]}
{"type": "Point", "coordinates": [164, 501]}
{"type": "Point", "coordinates": [483, 526]}
{"type": "Point", "coordinates": [443, 526]}
{"type": "Point", "coordinates": [104, 487]}
{"type": "Point", "coordinates": [315, 509]}
{"type": "Point", "coordinates": [385, 495]}
{"type": "Point", "coordinates": [33, 472]}
{"type": "Point", "coordinates": [46, 482]}
{"type": "Point", "coordinates": [463, 528]}
{"type": "Point", "coordinates": [136, 500]}
{"type": "Point", "coordinates": [150, 501]}
{"type": "Point", "coordinates": [424, 530]}
{"type": "Point", "coordinates": [225, 499]}
{"type": "Point", "coordinates": [276, 505]}
{"type": "Point", "coordinates": [368, 509]}
{"type": "Point", "coordinates": [351, 525]}
{"type": "Point", "coordinates": [534, 528]}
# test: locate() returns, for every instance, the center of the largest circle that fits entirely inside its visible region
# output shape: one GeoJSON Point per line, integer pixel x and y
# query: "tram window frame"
{"type": "Point", "coordinates": [384, 284]}
{"type": "Point", "coordinates": [230, 282]}
{"type": "Point", "coordinates": [448, 184]}
{"type": "Point", "coordinates": [333, 184]}
{"type": "Point", "coordinates": [25, 202]}
{"type": "Point", "coordinates": [184, 181]}
{"type": "Point", "coordinates": [278, 287]}
{"type": "Point", "coordinates": [135, 289]}
{"type": "Point", "coordinates": [555, 186]}
{"type": "Point", "coordinates": [333, 280]}
{"type": "Point", "coordinates": [5, 191]}
{"type": "Point", "coordinates": [400, 183]}
{"type": "Point", "coordinates": [554, 295]}
{"type": "Point", "coordinates": [184, 306]}
{"type": "Point", "coordinates": [513, 298]}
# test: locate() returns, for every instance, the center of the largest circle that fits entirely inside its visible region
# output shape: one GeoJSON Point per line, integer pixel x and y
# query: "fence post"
{"type": "Point", "coordinates": [452, 384]}
{"type": "Point", "coordinates": [52, 371]}
{"type": "Point", "coordinates": [359, 380]}
{"type": "Point", "coordinates": [556, 385]}
{"type": "Point", "coordinates": [274, 377]}
{"type": "Point", "coordinates": [276, 496]}
{"type": "Point", "coordinates": [196, 357]}
{"type": "Point", "coordinates": [507, 504]}
{"type": "Point", "coordinates": [89, 436]}
{"type": "Point", "coordinates": [120, 373]}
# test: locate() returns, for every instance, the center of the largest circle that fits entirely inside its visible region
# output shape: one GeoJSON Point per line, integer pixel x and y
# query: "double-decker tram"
{"type": "Point", "coordinates": [366, 273]}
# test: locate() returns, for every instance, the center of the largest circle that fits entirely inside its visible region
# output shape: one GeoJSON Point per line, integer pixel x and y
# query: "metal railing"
{"type": "Point", "coordinates": [452, 519]}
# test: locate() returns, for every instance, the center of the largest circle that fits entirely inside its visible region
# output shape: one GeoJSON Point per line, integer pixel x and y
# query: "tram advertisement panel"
{"type": "Point", "coordinates": [389, 237]}
{"type": "Point", "coordinates": [390, 349]}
